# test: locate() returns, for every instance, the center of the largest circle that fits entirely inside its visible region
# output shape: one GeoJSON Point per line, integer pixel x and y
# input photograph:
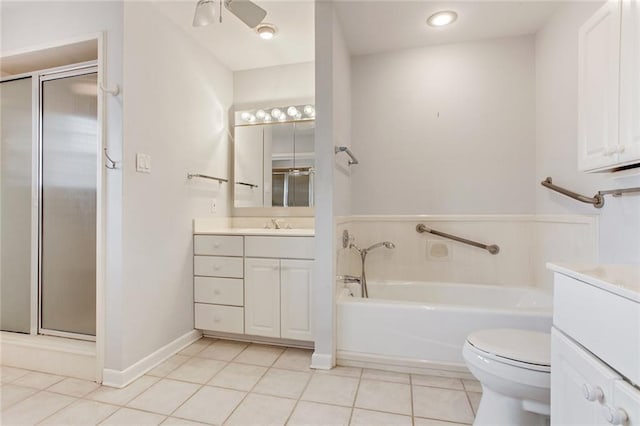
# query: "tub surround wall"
{"type": "Point", "coordinates": [556, 134]}
{"type": "Point", "coordinates": [526, 243]}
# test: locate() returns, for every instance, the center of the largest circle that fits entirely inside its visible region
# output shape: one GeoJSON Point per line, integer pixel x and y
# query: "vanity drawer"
{"type": "Point", "coordinates": [228, 319]}
{"type": "Point", "coordinates": [218, 245]}
{"type": "Point", "coordinates": [218, 266]}
{"type": "Point", "coordinates": [601, 321]}
{"type": "Point", "coordinates": [280, 247]}
{"type": "Point", "coordinates": [223, 291]}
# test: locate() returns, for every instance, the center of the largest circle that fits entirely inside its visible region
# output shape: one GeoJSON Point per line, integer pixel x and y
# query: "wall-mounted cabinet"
{"type": "Point", "coordinates": [609, 89]}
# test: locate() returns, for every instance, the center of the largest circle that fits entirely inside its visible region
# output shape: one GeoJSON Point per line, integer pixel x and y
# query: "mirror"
{"type": "Point", "coordinates": [274, 160]}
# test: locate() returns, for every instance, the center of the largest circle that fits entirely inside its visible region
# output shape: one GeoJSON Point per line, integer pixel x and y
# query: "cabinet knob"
{"type": "Point", "coordinates": [592, 393]}
{"type": "Point", "coordinates": [614, 415]}
{"type": "Point", "coordinates": [216, 267]}
{"type": "Point", "coordinates": [608, 152]}
{"type": "Point", "coordinates": [216, 292]}
{"type": "Point", "coordinates": [216, 245]}
{"type": "Point", "coordinates": [620, 149]}
{"type": "Point", "coordinates": [216, 319]}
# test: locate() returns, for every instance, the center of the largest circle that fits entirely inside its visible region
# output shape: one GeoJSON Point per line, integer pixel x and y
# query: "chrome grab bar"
{"type": "Point", "coordinates": [247, 184]}
{"type": "Point", "coordinates": [493, 248]}
{"type": "Point", "coordinates": [198, 175]}
{"type": "Point", "coordinates": [597, 200]}
{"type": "Point", "coordinates": [347, 151]}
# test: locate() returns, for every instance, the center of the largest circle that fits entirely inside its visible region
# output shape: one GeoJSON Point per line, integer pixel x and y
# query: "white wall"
{"type": "Point", "coordinates": [445, 129]}
{"type": "Point", "coordinates": [556, 146]}
{"type": "Point", "coordinates": [271, 85]}
{"type": "Point", "coordinates": [177, 98]}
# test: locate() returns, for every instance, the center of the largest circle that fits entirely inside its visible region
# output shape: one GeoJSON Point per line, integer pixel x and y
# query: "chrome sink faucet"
{"type": "Point", "coordinates": [275, 223]}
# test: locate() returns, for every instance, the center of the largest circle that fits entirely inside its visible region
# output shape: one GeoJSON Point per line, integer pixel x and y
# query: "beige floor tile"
{"type": "Point", "coordinates": [387, 376]}
{"type": "Point", "coordinates": [174, 421]}
{"type": "Point", "coordinates": [312, 413]}
{"type": "Point", "coordinates": [122, 396]}
{"type": "Point", "coordinates": [210, 405]}
{"type": "Point", "coordinates": [295, 359]}
{"type": "Point", "coordinates": [196, 347]}
{"type": "Point", "coordinates": [197, 370]}
{"type": "Point", "coordinates": [9, 374]}
{"type": "Point", "coordinates": [168, 366]}
{"type": "Point", "coordinates": [264, 355]}
{"type": "Point", "coordinates": [362, 417]}
{"type": "Point", "coordinates": [10, 394]}
{"type": "Point", "coordinates": [437, 381]}
{"type": "Point", "coordinates": [441, 404]}
{"type": "Point", "coordinates": [472, 385]}
{"type": "Point", "coordinates": [330, 389]}
{"type": "Point", "coordinates": [130, 417]}
{"type": "Point", "coordinates": [34, 379]}
{"type": "Point", "coordinates": [74, 387]}
{"type": "Point", "coordinates": [223, 350]}
{"type": "Point", "coordinates": [35, 408]}
{"type": "Point", "coordinates": [164, 397]}
{"type": "Point", "coordinates": [431, 422]}
{"type": "Point", "coordinates": [342, 371]}
{"type": "Point", "coordinates": [474, 398]}
{"type": "Point", "coordinates": [82, 412]}
{"type": "Point", "coordinates": [261, 410]}
{"type": "Point", "coordinates": [384, 396]}
{"type": "Point", "coordinates": [238, 376]}
{"type": "Point", "coordinates": [285, 383]}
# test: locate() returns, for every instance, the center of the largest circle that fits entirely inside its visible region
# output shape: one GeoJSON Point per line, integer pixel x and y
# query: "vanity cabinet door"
{"type": "Point", "coordinates": [296, 299]}
{"type": "Point", "coordinates": [598, 91]}
{"type": "Point", "coordinates": [581, 385]}
{"type": "Point", "coordinates": [630, 83]}
{"type": "Point", "coordinates": [262, 297]}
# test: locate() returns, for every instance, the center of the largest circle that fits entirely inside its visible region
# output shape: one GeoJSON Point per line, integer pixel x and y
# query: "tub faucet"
{"type": "Point", "coordinates": [363, 258]}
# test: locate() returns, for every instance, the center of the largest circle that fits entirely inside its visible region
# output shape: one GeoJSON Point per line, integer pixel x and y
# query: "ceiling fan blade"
{"type": "Point", "coordinates": [249, 13]}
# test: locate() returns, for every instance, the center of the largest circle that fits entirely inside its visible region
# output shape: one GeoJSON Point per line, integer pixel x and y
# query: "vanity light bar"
{"type": "Point", "coordinates": [283, 114]}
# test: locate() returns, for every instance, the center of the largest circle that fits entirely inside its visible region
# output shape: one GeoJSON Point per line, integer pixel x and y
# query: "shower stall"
{"type": "Point", "coordinates": [48, 198]}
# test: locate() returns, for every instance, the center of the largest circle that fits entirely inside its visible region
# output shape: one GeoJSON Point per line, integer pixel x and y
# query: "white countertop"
{"type": "Point", "coordinates": [623, 280]}
{"type": "Point", "coordinates": [299, 232]}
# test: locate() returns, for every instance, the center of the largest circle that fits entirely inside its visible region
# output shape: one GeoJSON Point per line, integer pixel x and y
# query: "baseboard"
{"type": "Point", "coordinates": [289, 343]}
{"type": "Point", "coordinates": [402, 365]}
{"type": "Point", "coordinates": [47, 354]}
{"type": "Point", "coordinates": [322, 361]}
{"type": "Point", "coordinates": [121, 378]}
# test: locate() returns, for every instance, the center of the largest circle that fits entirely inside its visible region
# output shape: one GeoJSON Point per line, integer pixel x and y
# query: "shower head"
{"type": "Point", "coordinates": [385, 244]}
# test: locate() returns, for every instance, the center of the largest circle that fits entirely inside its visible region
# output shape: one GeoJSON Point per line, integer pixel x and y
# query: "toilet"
{"type": "Point", "coordinates": [514, 369]}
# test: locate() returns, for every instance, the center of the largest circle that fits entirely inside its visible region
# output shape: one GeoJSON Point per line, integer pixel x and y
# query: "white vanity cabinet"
{"type": "Point", "coordinates": [608, 87]}
{"type": "Point", "coordinates": [254, 285]}
{"type": "Point", "coordinates": [278, 287]}
{"type": "Point", "coordinates": [595, 346]}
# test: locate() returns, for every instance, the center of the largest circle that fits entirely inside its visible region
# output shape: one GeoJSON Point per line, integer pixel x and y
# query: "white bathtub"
{"type": "Point", "coordinates": [425, 324]}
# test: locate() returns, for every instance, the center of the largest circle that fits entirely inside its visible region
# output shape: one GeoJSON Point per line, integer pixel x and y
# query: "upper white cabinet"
{"type": "Point", "coordinates": [608, 88]}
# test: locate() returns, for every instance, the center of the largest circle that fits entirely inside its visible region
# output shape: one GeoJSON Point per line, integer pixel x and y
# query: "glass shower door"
{"type": "Point", "coordinates": [68, 204]}
{"type": "Point", "coordinates": [16, 153]}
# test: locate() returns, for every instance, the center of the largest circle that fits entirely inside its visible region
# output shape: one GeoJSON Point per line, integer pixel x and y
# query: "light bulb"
{"type": "Point", "coordinates": [251, 118]}
{"type": "Point", "coordinates": [298, 115]}
{"type": "Point", "coordinates": [260, 114]}
{"type": "Point", "coordinates": [266, 31]}
{"type": "Point", "coordinates": [309, 110]}
{"type": "Point", "coordinates": [245, 116]}
{"type": "Point", "coordinates": [292, 111]}
{"type": "Point", "coordinates": [276, 113]}
{"type": "Point", "coordinates": [440, 19]}
{"type": "Point", "coordinates": [267, 118]}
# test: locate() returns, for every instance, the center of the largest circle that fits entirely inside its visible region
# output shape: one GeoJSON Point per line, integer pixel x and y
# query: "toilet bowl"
{"type": "Point", "coordinates": [513, 367]}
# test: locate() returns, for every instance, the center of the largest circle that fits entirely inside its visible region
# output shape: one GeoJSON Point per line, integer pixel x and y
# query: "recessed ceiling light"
{"type": "Point", "coordinates": [440, 19]}
{"type": "Point", "coordinates": [266, 31]}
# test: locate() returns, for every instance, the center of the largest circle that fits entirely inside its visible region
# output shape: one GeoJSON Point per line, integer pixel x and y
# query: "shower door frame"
{"type": "Point", "coordinates": [53, 74]}
{"type": "Point", "coordinates": [101, 193]}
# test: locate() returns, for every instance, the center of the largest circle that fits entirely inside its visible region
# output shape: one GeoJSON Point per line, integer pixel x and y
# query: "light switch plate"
{"type": "Point", "coordinates": [143, 163]}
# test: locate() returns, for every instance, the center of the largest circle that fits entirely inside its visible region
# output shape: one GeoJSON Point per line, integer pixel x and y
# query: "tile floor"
{"type": "Point", "coordinates": [220, 382]}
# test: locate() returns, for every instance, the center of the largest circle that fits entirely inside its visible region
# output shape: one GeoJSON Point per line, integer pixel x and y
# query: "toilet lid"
{"type": "Point", "coordinates": [530, 347]}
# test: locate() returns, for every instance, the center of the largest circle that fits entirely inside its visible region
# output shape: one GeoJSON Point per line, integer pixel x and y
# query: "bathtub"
{"type": "Point", "coordinates": [425, 324]}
